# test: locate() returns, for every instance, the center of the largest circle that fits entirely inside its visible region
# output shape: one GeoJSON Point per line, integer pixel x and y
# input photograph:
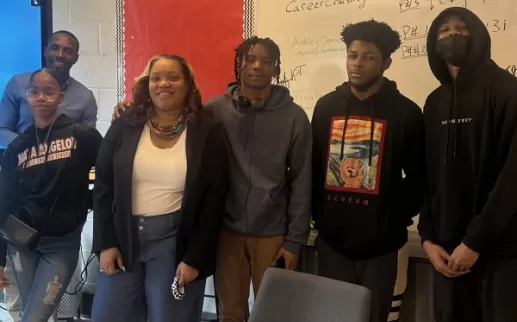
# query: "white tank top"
{"type": "Point", "coordinates": [158, 176]}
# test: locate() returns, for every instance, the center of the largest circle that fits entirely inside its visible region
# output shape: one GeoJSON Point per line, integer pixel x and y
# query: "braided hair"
{"type": "Point", "coordinates": [241, 53]}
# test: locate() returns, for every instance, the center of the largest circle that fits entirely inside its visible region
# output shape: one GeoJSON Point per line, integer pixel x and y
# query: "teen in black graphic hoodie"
{"type": "Point", "coordinates": [46, 169]}
{"type": "Point", "coordinates": [365, 135]}
{"type": "Point", "coordinates": [471, 143]}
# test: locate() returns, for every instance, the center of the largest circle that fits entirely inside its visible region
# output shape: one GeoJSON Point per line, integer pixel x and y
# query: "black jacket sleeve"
{"type": "Point", "coordinates": [93, 141]}
{"type": "Point", "coordinates": [103, 192]}
{"type": "Point", "coordinates": [501, 206]}
{"type": "Point", "coordinates": [9, 192]}
{"type": "Point", "coordinates": [202, 245]}
{"type": "Point", "coordinates": [425, 220]}
{"type": "Point", "coordinates": [318, 167]}
{"type": "Point", "coordinates": [414, 163]}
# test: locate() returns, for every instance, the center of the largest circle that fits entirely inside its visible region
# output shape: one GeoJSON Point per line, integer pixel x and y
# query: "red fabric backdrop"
{"type": "Point", "coordinates": [205, 32]}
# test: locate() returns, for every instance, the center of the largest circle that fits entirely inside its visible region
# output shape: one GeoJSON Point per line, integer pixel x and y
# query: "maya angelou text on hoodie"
{"type": "Point", "coordinates": [33, 173]}
{"type": "Point", "coordinates": [471, 143]}
{"type": "Point", "coordinates": [362, 201]}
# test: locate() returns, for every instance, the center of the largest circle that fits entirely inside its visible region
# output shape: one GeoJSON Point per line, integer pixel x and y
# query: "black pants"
{"type": "Point", "coordinates": [487, 294]}
{"type": "Point", "coordinates": [377, 274]}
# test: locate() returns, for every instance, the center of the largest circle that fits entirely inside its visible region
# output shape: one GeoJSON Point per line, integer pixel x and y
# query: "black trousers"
{"type": "Point", "coordinates": [377, 274]}
{"type": "Point", "coordinates": [487, 294]}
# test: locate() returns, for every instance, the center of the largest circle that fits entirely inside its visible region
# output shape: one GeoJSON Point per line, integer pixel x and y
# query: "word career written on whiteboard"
{"type": "Point", "coordinates": [313, 55]}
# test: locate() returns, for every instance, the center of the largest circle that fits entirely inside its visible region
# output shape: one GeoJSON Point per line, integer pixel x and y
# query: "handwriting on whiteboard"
{"type": "Point", "coordinates": [409, 5]}
{"type": "Point", "coordinates": [413, 51]}
{"type": "Point", "coordinates": [307, 100]}
{"type": "Point", "coordinates": [286, 78]}
{"type": "Point", "coordinates": [294, 6]}
{"type": "Point", "coordinates": [306, 97]}
{"type": "Point", "coordinates": [309, 47]}
{"type": "Point", "coordinates": [410, 32]}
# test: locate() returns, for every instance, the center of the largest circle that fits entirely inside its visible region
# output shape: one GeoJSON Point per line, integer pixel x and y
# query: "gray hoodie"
{"type": "Point", "coordinates": [270, 146]}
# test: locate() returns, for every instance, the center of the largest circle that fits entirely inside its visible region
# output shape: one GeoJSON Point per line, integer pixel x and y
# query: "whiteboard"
{"type": "Point", "coordinates": [313, 56]}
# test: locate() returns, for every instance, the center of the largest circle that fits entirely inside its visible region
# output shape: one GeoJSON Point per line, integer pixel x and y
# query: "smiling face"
{"type": "Point", "coordinates": [61, 53]}
{"type": "Point", "coordinates": [259, 68]}
{"type": "Point", "coordinates": [167, 85]}
{"type": "Point", "coordinates": [44, 95]}
{"type": "Point", "coordinates": [365, 63]}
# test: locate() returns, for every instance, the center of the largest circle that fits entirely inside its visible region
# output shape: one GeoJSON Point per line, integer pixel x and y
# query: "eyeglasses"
{"type": "Point", "coordinates": [48, 94]}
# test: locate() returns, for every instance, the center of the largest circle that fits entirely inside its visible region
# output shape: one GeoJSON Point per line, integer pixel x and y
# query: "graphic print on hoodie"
{"type": "Point", "coordinates": [270, 165]}
{"type": "Point", "coordinates": [27, 181]}
{"type": "Point", "coordinates": [355, 154]}
{"type": "Point", "coordinates": [362, 203]}
{"type": "Point", "coordinates": [471, 144]}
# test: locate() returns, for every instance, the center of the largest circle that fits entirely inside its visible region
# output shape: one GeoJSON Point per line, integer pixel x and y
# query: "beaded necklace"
{"type": "Point", "coordinates": [167, 131]}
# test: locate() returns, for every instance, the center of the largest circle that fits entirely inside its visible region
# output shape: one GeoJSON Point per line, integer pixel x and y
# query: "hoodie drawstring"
{"type": "Point", "coordinates": [372, 129]}
{"type": "Point", "coordinates": [372, 125]}
{"type": "Point", "coordinates": [455, 107]}
{"type": "Point", "coordinates": [347, 117]}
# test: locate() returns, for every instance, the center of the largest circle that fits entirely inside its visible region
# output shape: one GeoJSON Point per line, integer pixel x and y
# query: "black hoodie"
{"type": "Point", "coordinates": [362, 203]}
{"type": "Point", "coordinates": [471, 143]}
{"type": "Point", "coordinates": [28, 182]}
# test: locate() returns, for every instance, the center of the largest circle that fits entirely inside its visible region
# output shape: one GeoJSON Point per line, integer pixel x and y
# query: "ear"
{"type": "Point", "coordinates": [386, 64]}
{"type": "Point", "coordinates": [76, 58]}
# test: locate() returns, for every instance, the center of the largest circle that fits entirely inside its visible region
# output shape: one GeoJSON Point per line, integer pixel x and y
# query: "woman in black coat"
{"type": "Point", "coordinates": [158, 200]}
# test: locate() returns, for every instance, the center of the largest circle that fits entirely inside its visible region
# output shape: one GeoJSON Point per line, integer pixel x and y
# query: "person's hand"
{"type": "Point", "coordinates": [439, 258]}
{"type": "Point", "coordinates": [4, 283]}
{"type": "Point", "coordinates": [119, 108]}
{"type": "Point", "coordinates": [185, 274]}
{"type": "Point", "coordinates": [462, 258]}
{"type": "Point", "coordinates": [108, 259]}
{"type": "Point", "coordinates": [291, 260]}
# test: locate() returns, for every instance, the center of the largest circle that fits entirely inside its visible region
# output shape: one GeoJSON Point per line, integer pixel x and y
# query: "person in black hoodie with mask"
{"type": "Point", "coordinates": [44, 185]}
{"type": "Point", "coordinates": [368, 168]}
{"type": "Point", "coordinates": [468, 224]}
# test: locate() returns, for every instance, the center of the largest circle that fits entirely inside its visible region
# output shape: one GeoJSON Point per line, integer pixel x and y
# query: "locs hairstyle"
{"type": "Point", "coordinates": [241, 53]}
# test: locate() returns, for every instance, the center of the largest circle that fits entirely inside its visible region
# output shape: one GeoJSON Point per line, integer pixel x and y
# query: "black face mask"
{"type": "Point", "coordinates": [453, 49]}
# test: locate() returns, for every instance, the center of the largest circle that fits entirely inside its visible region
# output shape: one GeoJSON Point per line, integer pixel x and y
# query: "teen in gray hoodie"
{"type": "Point", "coordinates": [268, 202]}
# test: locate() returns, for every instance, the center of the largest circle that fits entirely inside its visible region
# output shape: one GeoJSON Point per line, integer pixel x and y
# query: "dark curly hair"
{"type": "Point", "coordinates": [378, 33]}
{"type": "Point", "coordinates": [142, 98]}
{"type": "Point", "coordinates": [241, 52]}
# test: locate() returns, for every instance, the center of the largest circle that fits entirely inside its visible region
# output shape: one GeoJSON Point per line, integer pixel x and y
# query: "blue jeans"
{"type": "Point", "coordinates": [145, 293]}
{"type": "Point", "coordinates": [43, 274]}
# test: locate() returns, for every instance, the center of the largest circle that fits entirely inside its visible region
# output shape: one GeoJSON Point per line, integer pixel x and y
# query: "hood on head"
{"type": "Point", "coordinates": [478, 51]}
{"type": "Point", "coordinates": [280, 97]}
